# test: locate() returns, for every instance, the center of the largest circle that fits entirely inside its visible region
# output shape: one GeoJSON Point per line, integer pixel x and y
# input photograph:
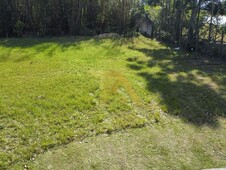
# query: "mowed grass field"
{"type": "Point", "coordinates": [56, 91]}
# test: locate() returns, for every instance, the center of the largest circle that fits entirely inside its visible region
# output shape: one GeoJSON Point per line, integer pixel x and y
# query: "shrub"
{"type": "Point", "coordinates": [18, 28]}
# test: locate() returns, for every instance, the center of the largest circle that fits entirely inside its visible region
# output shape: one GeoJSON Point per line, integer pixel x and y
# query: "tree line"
{"type": "Point", "coordinates": [174, 20]}
{"type": "Point", "coordinates": [66, 17]}
{"type": "Point", "coordinates": [190, 20]}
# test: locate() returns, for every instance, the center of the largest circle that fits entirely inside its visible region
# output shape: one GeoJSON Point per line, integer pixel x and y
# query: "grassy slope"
{"type": "Point", "coordinates": [57, 90]}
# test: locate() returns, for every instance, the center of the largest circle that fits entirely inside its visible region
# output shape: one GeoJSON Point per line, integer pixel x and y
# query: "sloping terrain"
{"type": "Point", "coordinates": [54, 91]}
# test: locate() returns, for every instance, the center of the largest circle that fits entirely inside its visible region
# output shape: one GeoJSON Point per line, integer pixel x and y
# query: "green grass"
{"type": "Point", "coordinates": [57, 90]}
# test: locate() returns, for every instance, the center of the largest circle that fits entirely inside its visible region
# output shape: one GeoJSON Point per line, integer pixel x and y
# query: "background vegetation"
{"type": "Point", "coordinates": [61, 17]}
{"type": "Point", "coordinates": [189, 23]}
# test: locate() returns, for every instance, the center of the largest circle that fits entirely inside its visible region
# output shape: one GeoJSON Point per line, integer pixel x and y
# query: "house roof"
{"type": "Point", "coordinates": [220, 20]}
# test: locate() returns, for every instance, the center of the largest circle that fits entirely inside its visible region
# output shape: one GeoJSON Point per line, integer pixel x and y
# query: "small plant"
{"type": "Point", "coordinates": [18, 28]}
{"type": "Point", "coordinates": [156, 117]}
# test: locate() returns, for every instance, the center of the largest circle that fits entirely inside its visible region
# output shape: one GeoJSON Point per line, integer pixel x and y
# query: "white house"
{"type": "Point", "coordinates": [145, 26]}
{"type": "Point", "coordinates": [220, 20]}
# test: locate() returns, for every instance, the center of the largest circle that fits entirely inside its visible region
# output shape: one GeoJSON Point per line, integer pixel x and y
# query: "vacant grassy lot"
{"type": "Point", "coordinates": [58, 90]}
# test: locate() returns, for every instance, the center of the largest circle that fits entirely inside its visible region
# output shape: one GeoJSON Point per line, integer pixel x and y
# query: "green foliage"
{"type": "Point", "coordinates": [185, 22]}
{"type": "Point", "coordinates": [164, 35]}
{"type": "Point", "coordinates": [217, 5]}
{"type": "Point", "coordinates": [57, 17]}
{"type": "Point", "coordinates": [18, 28]}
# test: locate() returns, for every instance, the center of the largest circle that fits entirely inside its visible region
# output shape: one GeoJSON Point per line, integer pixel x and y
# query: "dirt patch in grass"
{"type": "Point", "coordinates": [154, 147]}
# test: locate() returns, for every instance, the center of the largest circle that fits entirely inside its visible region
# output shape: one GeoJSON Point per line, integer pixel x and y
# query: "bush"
{"type": "Point", "coordinates": [18, 28]}
{"type": "Point", "coordinates": [164, 36]}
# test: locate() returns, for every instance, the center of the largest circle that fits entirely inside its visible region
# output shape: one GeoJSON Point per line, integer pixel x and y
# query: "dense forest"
{"type": "Point", "coordinates": [57, 17]}
{"type": "Point", "coordinates": [174, 20]}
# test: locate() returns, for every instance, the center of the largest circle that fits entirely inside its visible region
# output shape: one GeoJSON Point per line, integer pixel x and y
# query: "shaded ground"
{"type": "Point", "coordinates": [191, 87]}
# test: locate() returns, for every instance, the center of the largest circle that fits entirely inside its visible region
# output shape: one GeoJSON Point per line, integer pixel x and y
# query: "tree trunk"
{"type": "Point", "coordinates": [178, 21]}
{"type": "Point", "coordinates": [211, 22]}
{"type": "Point", "coordinates": [222, 43]}
{"type": "Point", "coordinates": [197, 27]}
{"type": "Point", "coordinates": [192, 24]}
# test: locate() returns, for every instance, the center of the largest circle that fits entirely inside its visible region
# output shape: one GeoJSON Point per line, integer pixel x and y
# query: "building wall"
{"type": "Point", "coordinates": [146, 28]}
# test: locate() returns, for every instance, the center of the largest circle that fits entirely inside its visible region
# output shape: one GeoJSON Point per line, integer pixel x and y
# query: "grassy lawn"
{"type": "Point", "coordinates": [57, 90]}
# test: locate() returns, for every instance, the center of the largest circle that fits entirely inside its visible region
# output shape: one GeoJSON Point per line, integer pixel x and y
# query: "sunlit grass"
{"type": "Point", "coordinates": [57, 90]}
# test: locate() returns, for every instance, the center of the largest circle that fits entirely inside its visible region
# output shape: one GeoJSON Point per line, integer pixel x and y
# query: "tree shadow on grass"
{"type": "Point", "coordinates": [184, 94]}
{"type": "Point", "coordinates": [28, 47]}
{"type": "Point", "coordinates": [30, 42]}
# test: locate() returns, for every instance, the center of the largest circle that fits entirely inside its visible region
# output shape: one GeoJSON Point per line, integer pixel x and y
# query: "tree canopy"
{"type": "Point", "coordinates": [56, 17]}
{"type": "Point", "coordinates": [173, 19]}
